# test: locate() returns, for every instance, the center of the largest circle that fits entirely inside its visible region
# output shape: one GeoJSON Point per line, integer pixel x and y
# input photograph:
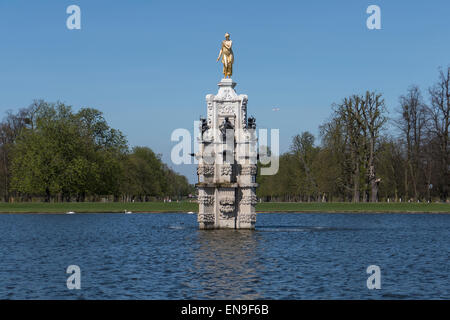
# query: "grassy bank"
{"type": "Point", "coordinates": [97, 207]}
{"type": "Point", "coordinates": [355, 207]}
{"type": "Point", "coordinates": [90, 207]}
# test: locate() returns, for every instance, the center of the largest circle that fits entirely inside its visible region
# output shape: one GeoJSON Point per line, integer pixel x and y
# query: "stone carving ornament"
{"type": "Point", "coordinates": [252, 199]}
{"type": "Point", "coordinates": [226, 109]}
{"type": "Point", "coordinates": [205, 218]}
{"type": "Point", "coordinates": [249, 170]}
{"type": "Point", "coordinates": [247, 218]}
{"type": "Point", "coordinates": [206, 170]}
{"type": "Point", "coordinates": [226, 170]}
{"type": "Point", "coordinates": [209, 115]}
{"type": "Point", "coordinates": [206, 199]}
{"type": "Point", "coordinates": [244, 103]}
{"type": "Point", "coordinates": [226, 205]}
{"type": "Point", "coordinates": [226, 95]}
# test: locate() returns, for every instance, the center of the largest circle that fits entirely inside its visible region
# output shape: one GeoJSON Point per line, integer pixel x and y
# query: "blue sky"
{"type": "Point", "coordinates": [149, 64]}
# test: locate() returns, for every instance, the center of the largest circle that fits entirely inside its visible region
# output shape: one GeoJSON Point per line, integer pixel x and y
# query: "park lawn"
{"type": "Point", "coordinates": [184, 206]}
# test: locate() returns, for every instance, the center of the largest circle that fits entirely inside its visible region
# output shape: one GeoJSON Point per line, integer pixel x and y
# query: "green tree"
{"type": "Point", "coordinates": [67, 154]}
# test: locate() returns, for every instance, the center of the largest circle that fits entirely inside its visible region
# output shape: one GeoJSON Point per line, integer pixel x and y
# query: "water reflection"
{"type": "Point", "coordinates": [226, 264]}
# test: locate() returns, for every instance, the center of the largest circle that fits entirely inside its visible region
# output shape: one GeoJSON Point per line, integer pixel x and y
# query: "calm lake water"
{"type": "Point", "coordinates": [164, 256]}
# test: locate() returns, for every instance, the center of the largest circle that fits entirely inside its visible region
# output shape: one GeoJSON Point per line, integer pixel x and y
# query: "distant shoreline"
{"type": "Point", "coordinates": [185, 207]}
{"type": "Point", "coordinates": [258, 212]}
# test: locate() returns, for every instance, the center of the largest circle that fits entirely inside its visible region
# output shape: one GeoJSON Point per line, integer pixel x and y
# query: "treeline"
{"type": "Point", "coordinates": [359, 159]}
{"type": "Point", "coordinates": [50, 152]}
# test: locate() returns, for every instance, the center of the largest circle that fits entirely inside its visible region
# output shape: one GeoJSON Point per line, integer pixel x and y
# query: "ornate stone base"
{"type": "Point", "coordinates": [226, 188]}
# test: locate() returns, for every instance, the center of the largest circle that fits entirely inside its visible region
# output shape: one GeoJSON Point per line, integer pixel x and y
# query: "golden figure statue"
{"type": "Point", "coordinates": [227, 56]}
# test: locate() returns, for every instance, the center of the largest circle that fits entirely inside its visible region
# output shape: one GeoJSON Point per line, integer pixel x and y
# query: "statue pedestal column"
{"type": "Point", "coordinates": [227, 162]}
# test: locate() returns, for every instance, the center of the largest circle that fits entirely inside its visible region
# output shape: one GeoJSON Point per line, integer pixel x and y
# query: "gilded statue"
{"type": "Point", "coordinates": [226, 52]}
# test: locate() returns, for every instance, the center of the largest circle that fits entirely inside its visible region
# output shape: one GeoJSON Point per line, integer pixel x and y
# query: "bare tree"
{"type": "Point", "coordinates": [411, 122]}
{"type": "Point", "coordinates": [373, 110]}
{"type": "Point", "coordinates": [350, 115]}
{"type": "Point", "coordinates": [439, 113]}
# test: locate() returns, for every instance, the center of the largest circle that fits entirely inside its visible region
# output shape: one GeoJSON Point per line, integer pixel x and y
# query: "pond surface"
{"type": "Point", "coordinates": [164, 256]}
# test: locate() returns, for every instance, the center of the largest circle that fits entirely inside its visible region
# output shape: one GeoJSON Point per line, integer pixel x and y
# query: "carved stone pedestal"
{"type": "Point", "coordinates": [227, 162]}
